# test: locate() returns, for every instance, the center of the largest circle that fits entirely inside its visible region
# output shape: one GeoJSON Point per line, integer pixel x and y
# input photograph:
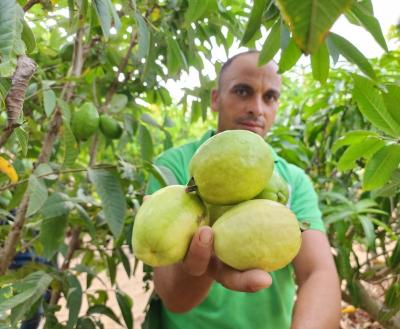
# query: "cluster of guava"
{"type": "Point", "coordinates": [235, 189]}
{"type": "Point", "coordinates": [86, 120]}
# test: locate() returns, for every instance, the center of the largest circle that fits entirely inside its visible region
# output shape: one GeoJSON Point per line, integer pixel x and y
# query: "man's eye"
{"type": "Point", "coordinates": [271, 98]}
{"type": "Point", "coordinates": [241, 92]}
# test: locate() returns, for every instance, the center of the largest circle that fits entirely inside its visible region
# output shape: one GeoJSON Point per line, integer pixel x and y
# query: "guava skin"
{"type": "Point", "coordinates": [231, 167]}
{"type": "Point", "coordinates": [85, 122]}
{"type": "Point", "coordinates": [110, 127]}
{"type": "Point", "coordinates": [257, 234]}
{"type": "Point", "coordinates": [165, 225]}
{"type": "Point", "coordinates": [276, 190]}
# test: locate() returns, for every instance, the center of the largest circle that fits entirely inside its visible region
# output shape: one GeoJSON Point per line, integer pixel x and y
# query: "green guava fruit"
{"type": "Point", "coordinates": [276, 190]}
{"type": "Point", "coordinates": [110, 127]}
{"type": "Point", "coordinates": [165, 224]}
{"type": "Point", "coordinates": [231, 167]}
{"type": "Point", "coordinates": [215, 211]}
{"type": "Point", "coordinates": [85, 122]}
{"type": "Point", "coordinates": [257, 234]}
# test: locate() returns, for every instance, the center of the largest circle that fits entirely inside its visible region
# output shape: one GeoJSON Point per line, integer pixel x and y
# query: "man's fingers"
{"type": "Point", "coordinates": [246, 281]}
{"type": "Point", "coordinates": [200, 251]}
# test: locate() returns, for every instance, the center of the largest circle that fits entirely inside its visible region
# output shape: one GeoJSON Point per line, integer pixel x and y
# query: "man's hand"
{"type": "Point", "coordinates": [200, 260]}
{"type": "Point", "coordinates": [185, 285]}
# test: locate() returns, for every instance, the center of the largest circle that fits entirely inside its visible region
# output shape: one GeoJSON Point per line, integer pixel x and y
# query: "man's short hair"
{"type": "Point", "coordinates": [229, 62]}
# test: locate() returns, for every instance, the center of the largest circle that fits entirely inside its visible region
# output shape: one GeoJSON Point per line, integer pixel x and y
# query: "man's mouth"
{"type": "Point", "coordinates": [251, 124]}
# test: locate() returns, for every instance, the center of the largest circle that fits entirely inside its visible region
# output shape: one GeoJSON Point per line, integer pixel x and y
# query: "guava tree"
{"type": "Point", "coordinates": [72, 185]}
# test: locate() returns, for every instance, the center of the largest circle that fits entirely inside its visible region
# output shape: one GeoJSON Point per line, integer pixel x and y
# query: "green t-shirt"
{"type": "Point", "coordinates": [269, 308]}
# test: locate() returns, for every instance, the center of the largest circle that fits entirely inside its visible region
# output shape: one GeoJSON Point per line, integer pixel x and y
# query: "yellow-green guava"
{"type": "Point", "coordinates": [231, 167]}
{"type": "Point", "coordinates": [257, 234]}
{"type": "Point", "coordinates": [85, 121]}
{"type": "Point", "coordinates": [276, 190]}
{"type": "Point", "coordinates": [165, 224]}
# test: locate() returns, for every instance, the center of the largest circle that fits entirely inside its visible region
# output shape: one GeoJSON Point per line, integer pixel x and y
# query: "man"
{"type": "Point", "coordinates": [202, 292]}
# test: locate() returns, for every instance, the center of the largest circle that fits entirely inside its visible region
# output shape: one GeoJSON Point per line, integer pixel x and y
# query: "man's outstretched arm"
{"type": "Point", "coordinates": [318, 296]}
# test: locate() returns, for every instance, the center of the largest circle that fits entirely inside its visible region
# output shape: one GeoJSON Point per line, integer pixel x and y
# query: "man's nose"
{"type": "Point", "coordinates": [256, 107]}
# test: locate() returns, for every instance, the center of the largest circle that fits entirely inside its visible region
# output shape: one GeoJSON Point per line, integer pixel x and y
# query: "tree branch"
{"type": "Point", "coordinates": [9, 250]}
{"type": "Point", "coordinates": [30, 4]}
{"type": "Point", "coordinates": [26, 67]}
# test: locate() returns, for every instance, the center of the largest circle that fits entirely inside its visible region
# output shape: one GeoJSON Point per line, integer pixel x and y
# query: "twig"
{"type": "Point", "coordinates": [61, 172]}
{"type": "Point", "coordinates": [30, 4]}
{"type": "Point", "coordinates": [72, 247]}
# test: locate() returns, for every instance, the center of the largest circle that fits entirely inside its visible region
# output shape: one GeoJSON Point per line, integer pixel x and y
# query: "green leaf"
{"type": "Point", "coordinates": [146, 143]}
{"type": "Point", "coordinates": [74, 300]}
{"type": "Point", "coordinates": [30, 289]}
{"type": "Point", "coordinates": [175, 58]}
{"type": "Point", "coordinates": [372, 106]}
{"type": "Point", "coordinates": [22, 138]}
{"type": "Point", "coordinates": [380, 167]}
{"type": "Point", "coordinates": [394, 260]}
{"type": "Point", "coordinates": [289, 57]}
{"type": "Point", "coordinates": [85, 323]}
{"type": "Point", "coordinates": [118, 103]}
{"type": "Point", "coordinates": [112, 268]}
{"type": "Point", "coordinates": [352, 54]}
{"type": "Point", "coordinates": [352, 137]}
{"type": "Point", "coordinates": [49, 100]}
{"type": "Point", "coordinates": [144, 37]}
{"type": "Point", "coordinates": [112, 197]}
{"type": "Point", "coordinates": [392, 102]}
{"type": "Point", "coordinates": [125, 304]}
{"type": "Point", "coordinates": [11, 27]}
{"type": "Point", "coordinates": [391, 187]}
{"type": "Point", "coordinates": [5, 85]}
{"type": "Point", "coordinates": [107, 15]}
{"type": "Point", "coordinates": [392, 296]}
{"type": "Point", "coordinates": [37, 195]}
{"type": "Point", "coordinates": [320, 63]}
{"type": "Point", "coordinates": [365, 149]}
{"type": "Point", "coordinates": [196, 10]}
{"type": "Point", "coordinates": [52, 230]}
{"type": "Point", "coordinates": [104, 310]}
{"type": "Point", "coordinates": [147, 118]}
{"type": "Point", "coordinates": [310, 20]}
{"type": "Point", "coordinates": [369, 231]}
{"type": "Point", "coordinates": [370, 23]}
{"type": "Point", "coordinates": [255, 20]}
{"type": "Point", "coordinates": [28, 38]}
{"type": "Point", "coordinates": [271, 44]}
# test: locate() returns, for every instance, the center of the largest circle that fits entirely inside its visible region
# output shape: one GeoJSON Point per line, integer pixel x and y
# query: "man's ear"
{"type": "Point", "coordinates": [214, 100]}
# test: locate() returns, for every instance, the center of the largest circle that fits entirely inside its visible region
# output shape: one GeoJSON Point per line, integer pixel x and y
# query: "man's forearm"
{"type": "Point", "coordinates": [179, 291]}
{"type": "Point", "coordinates": [318, 302]}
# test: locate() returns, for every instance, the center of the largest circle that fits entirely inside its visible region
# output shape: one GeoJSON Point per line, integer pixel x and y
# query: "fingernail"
{"type": "Point", "coordinates": [205, 236]}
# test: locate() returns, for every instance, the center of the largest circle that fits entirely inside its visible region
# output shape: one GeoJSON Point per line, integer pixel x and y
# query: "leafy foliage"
{"type": "Point", "coordinates": [120, 56]}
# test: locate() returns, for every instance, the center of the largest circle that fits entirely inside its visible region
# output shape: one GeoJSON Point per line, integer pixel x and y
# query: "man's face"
{"type": "Point", "coordinates": [248, 95]}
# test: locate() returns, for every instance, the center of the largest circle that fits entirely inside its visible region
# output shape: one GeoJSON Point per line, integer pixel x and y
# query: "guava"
{"type": "Point", "coordinates": [110, 127]}
{"type": "Point", "coordinates": [165, 225]}
{"type": "Point", "coordinates": [231, 167]}
{"type": "Point", "coordinates": [215, 211]}
{"type": "Point", "coordinates": [85, 121]}
{"type": "Point", "coordinates": [257, 234]}
{"type": "Point", "coordinates": [276, 190]}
